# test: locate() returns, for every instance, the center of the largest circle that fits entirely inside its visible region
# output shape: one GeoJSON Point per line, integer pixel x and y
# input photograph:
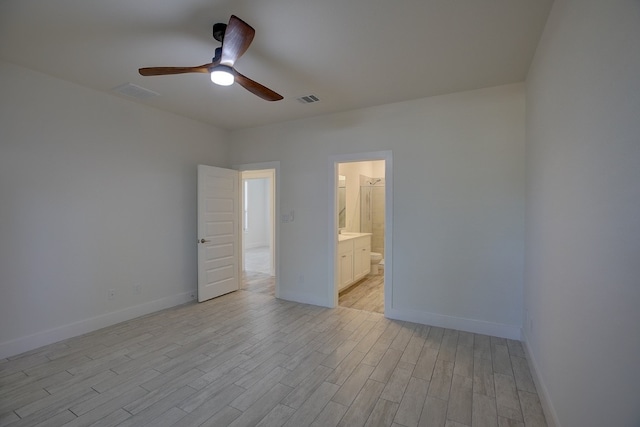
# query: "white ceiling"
{"type": "Point", "coordinates": [349, 53]}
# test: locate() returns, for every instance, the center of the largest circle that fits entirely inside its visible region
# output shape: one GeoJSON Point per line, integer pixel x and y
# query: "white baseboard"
{"type": "Point", "coordinates": [459, 323]}
{"type": "Point", "coordinates": [425, 318]}
{"type": "Point", "coordinates": [39, 339]}
{"type": "Point", "coordinates": [549, 411]}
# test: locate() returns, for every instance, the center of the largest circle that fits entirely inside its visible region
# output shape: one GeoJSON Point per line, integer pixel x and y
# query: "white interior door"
{"type": "Point", "coordinates": [218, 232]}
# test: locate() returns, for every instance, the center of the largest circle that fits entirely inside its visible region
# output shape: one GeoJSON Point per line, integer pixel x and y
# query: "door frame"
{"type": "Point", "coordinates": [275, 224]}
{"type": "Point", "coordinates": [332, 285]}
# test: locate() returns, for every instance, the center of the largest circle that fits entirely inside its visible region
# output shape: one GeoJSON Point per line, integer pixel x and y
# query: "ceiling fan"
{"type": "Point", "coordinates": [236, 36]}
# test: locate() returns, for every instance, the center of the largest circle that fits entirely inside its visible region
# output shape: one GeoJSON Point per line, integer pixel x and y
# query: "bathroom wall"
{"type": "Point", "coordinates": [353, 171]}
{"type": "Point", "coordinates": [376, 214]}
{"type": "Point", "coordinates": [377, 168]}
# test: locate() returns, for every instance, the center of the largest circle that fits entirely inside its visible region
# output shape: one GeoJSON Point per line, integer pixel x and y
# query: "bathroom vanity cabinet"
{"type": "Point", "coordinates": [354, 258]}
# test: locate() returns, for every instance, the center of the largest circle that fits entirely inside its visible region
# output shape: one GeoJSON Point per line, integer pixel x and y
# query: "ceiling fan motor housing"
{"type": "Point", "coordinates": [218, 31]}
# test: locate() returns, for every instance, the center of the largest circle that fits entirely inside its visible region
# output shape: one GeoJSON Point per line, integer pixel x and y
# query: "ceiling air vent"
{"type": "Point", "coordinates": [135, 91]}
{"type": "Point", "coordinates": [308, 99]}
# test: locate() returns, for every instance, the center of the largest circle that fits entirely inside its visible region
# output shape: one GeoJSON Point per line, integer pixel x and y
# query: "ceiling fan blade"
{"type": "Point", "coordinates": [162, 71]}
{"type": "Point", "coordinates": [237, 38]}
{"type": "Point", "coordinates": [256, 88]}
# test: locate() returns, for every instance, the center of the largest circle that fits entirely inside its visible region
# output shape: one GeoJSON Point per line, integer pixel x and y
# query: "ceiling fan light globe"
{"type": "Point", "coordinates": [222, 76]}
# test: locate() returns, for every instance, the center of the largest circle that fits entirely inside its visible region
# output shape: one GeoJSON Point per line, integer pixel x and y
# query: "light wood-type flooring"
{"type": "Point", "coordinates": [247, 359]}
{"type": "Point", "coordinates": [367, 294]}
{"type": "Point", "coordinates": [257, 260]}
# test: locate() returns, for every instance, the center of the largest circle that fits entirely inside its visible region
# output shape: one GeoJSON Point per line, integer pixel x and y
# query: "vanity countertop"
{"type": "Point", "coordinates": [349, 235]}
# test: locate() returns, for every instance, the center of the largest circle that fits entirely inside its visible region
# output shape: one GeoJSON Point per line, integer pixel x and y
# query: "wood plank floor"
{"type": "Point", "coordinates": [367, 294]}
{"type": "Point", "coordinates": [258, 282]}
{"type": "Point", "coordinates": [258, 260]}
{"type": "Point", "coordinates": [247, 359]}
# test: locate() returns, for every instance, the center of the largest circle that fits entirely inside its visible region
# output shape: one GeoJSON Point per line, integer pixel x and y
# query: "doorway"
{"type": "Point", "coordinates": [258, 225]}
{"type": "Point", "coordinates": [361, 223]}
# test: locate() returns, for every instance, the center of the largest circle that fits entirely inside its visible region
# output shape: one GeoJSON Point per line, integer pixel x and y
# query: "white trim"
{"type": "Point", "coordinates": [387, 156]}
{"type": "Point", "coordinates": [30, 342]}
{"type": "Point", "coordinates": [459, 323]}
{"type": "Point", "coordinates": [545, 400]}
{"type": "Point", "coordinates": [274, 168]}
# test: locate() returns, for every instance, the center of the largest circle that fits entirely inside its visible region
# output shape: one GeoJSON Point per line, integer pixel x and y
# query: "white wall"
{"type": "Point", "coordinates": [582, 289]}
{"type": "Point", "coordinates": [257, 234]}
{"type": "Point", "coordinates": [96, 193]}
{"type": "Point", "coordinates": [458, 164]}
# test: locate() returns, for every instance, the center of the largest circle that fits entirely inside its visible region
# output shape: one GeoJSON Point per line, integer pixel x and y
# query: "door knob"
{"type": "Point", "coordinates": [203, 241]}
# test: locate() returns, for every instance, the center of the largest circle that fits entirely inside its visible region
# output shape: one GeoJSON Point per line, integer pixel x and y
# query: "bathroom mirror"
{"type": "Point", "coordinates": [342, 201]}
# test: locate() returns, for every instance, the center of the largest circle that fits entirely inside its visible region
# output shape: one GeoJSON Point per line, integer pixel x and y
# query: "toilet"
{"type": "Point", "coordinates": [375, 261]}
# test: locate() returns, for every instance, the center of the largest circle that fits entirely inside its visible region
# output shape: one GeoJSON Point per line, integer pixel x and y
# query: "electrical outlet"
{"type": "Point", "coordinates": [111, 294]}
{"type": "Point", "coordinates": [137, 289]}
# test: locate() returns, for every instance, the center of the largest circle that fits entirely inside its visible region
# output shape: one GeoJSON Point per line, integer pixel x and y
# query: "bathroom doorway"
{"type": "Point", "coordinates": [258, 230]}
{"type": "Point", "coordinates": [362, 221]}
